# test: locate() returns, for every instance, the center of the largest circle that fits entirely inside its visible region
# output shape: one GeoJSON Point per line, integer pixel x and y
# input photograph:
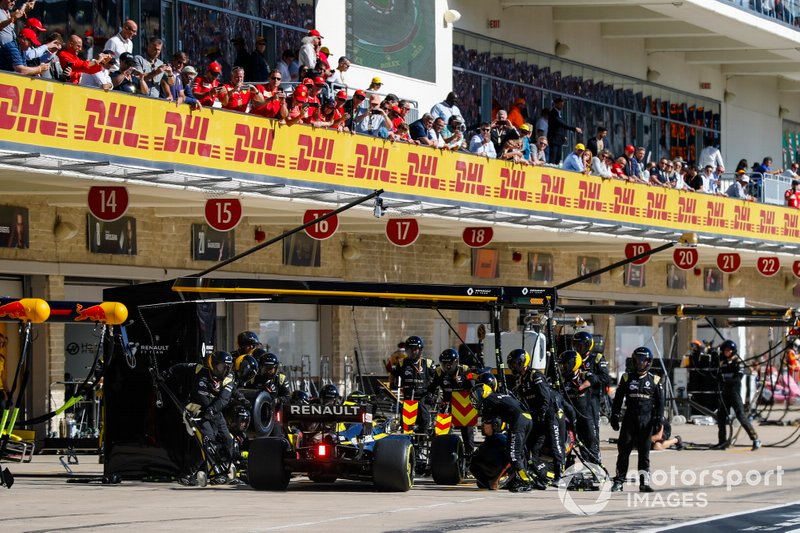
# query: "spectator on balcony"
{"type": "Point", "coordinates": [574, 161]}
{"type": "Point", "coordinates": [543, 124]}
{"type": "Point", "coordinates": [644, 172]}
{"type": "Point", "coordinates": [242, 57]}
{"type": "Point", "coordinates": [518, 114]}
{"type": "Point", "coordinates": [743, 165]}
{"type": "Point", "coordinates": [632, 169]}
{"type": "Point", "coordinates": [793, 195]}
{"type": "Point", "coordinates": [481, 143]}
{"type": "Point", "coordinates": [659, 174]}
{"type": "Point", "coordinates": [539, 153]}
{"type": "Point", "coordinates": [259, 67]}
{"type": "Point", "coordinates": [618, 169]}
{"type": "Point", "coordinates": [270, 100]}
{"type": "Point", "coordinates": [154, 69]}
{"type": "Point", "coordinates": [446, 108]}
{"type": "Point", "coordinates": [206, 88]}
{"type": "Point", "coordinates": [122, 42]}
{"type": "Point", "coordinates": [525, 131]}
{"type": "Point", "coordinates": [711, 156]}
{"type": "Point", "coordinates": [323, 63]}
{"type": "Point", "coordinates": [8, 17]}
{"type": "Point", "coordinates": [102, 78]}
{"type": "Point", "coordinates": [174, 92]}
{"type": "Point", "coordinates": [738, 189]}
{"type": "Point", "coordinates": [557, 131]}
{"type": "Point", "coordinates": [44, 52]}
{"type": "Point", "coordinates": [317, 92]}
{"type": "Point", "coordinates": [337, 77]}
{"type": "Point", "coordinates": [289, 69]}
{"type": "Point", "coordinates": [765, 167]}
{"type": "Point", "coordinates": [453, 133]}
{"type": "Point", "coordinates": [438, 128]}
{"type": "Point", "coordinates": [500, 128]}
{"type": "Point", "coordinates": [354, 107]}
{"type": "Point", "coordinates": [127, 78]}
{"type": "Point", "coordinates": [236, 95]}
{"type": "Point", "coordinates": [695, 180]}
{"type": "Point", "coordinates": [403, 107]}
{"type": "Point", "coordinates": [328, 116]}
{"type": "Point", "coordinates": [676, 176]}
{"type": "Point", "coordinates": [421, 130]}
{"type": "Point", "coordinates": [12, 58]}
{"type": "Point", "coordinates": [68, 56]}
{"type": "Point", "coordinates": [704, 180]}
{"type": "Point", "coordinates": [310, 49]}
{"type": "Point", "coordinates": [374, 120]}
{"type": "Point", "coordinates": [299, 110]}
{"type": "Point", "coordinates": [511, 150]}
{"type": "Point", "coordinates": [390, 100]}
{"type": "Point", "coordinates": [596, 144]}
{"type": "Point", "coordinates": [375, 85]}
{"type": "Point", "coordinates": [791, 172]}
{"type": "Point", "coordinates": [187, 77]}
{"type": "Point", "coordinates": [55, 72]}
{"type": "Point", "coordinates": [402, 134]}
{"type": "Point", "coordinates": [601, 164]}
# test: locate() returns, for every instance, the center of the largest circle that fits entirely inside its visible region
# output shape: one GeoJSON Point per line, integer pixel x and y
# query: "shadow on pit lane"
{"type": "Point", "coordinates": [341, 485]}
{"type": "Point", "coordinates": [463, 523]}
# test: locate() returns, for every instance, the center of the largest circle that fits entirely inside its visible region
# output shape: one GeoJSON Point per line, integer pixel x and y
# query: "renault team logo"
{"type": "Point", "coordinates": [574, 476]}
{"type": "Point", "coordinates": [470, 291]}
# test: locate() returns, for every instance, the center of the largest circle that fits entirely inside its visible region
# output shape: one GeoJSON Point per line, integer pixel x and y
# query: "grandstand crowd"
{"type": "Point", "coordinates": [307, 88]}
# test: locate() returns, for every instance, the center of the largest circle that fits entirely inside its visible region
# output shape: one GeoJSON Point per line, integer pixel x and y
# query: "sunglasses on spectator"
{"type": "Point", "coordinates": [275, 78]}
{"type": "Point", "coordinates": [485, 129]}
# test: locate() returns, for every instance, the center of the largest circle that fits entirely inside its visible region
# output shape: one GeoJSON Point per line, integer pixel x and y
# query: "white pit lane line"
{"type": "Point", "coordinates": [719, 517]}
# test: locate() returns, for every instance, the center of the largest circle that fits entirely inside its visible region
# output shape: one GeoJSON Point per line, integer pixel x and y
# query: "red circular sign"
{"type": "Point", "coordinates": [768, 266]}
{"type": "Point", "coordinates": [324, 229]}
{"type": "Point", "coordinates": [729, 263]}
{"type": "Point", "coordinates": [632, 249]}
{"type": "Point", "coordinates": [402, 231]}
{"type": "Point", "coordinates": [477, 237]}
{"type": "Point", "coordinates": [108, 203]}
{"type": "Point", "coordinates": [223, 214]}
{"type": "Point", "coordinates": [685, 258]}
{"type": "Point", "coordinates": [796, 269]}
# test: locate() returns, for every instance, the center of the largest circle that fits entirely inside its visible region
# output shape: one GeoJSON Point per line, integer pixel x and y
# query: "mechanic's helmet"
{"type": "Point", "coordinates": [247, 340]}
{"type": "Point", "coordinates": [487, 378]}
{"type": "Point", "coordinates": [246, 367]}
{"type": "Point", "coordinates": [357, 397]}
{"type": "Point", "coordinates": [414, 346]}
{"type": "Point", "coordinates": [329, 395]}
{"type": "Point", "coordinates": [728, 345]}
{"type": "Point", "coordinates": [643, 359]}
{"type": "Point", "coordinates": [238, 419]}
{"type": "Point", "coordinates": [300, 397]}
{"type": "Point", "coordinates": [267, 364]}
{"type": "Point", "coordinates": [449, 361]}
{"type": "Point", "coordinates": [569, 363]}
{"type": "Point", "coordinates": [518, 361]}
{"type": "Point", "coordinates": [220, 364]}
{"type": "Point", "coordinates": [583, 342]}
{"type": "Point", "coordinates": [479, 392]}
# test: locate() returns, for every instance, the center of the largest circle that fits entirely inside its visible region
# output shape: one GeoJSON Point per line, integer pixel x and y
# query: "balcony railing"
{"type": "Point", "coordinates": [784, 11]}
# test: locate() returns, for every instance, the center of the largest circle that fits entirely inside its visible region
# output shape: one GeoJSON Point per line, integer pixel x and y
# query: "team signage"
{"type": "Point", "coordinates": [768, 266]}
{"type": "Point", "coordinates": [685, 258]}
{"type": "Point", "coordinates": [223, 214]}
{"type": "Point", "coordinates": [402, 231]}
{"type": "Point", "coordinates": [324, 229]}
{"type": "Point", "coordinates": [632, 249]}
{"type": "Point", "coordinates": [729, 263]}
{"type": "Point", "coordinates": [338, 413]}
{"type": "Point", "coordinates": [477, 237]}
{"type": "Point", "coordinates": [107, 203]}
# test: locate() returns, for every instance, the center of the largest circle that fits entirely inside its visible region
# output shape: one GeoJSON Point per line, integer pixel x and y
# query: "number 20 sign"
{"type": "Point", "coordinates": [685, 258]}
{"type": "Point", "coordinates": [402, 231]}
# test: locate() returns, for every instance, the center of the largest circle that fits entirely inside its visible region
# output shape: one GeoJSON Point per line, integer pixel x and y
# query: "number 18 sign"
{"type": "Point", "coordinates": [477, 237]}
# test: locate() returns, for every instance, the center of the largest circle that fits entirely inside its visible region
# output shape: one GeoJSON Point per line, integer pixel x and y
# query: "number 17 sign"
{"type": "Point", "coordinates": [402, 231]}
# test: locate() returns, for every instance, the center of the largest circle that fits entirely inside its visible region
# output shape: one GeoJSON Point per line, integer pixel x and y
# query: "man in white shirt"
{"type": "Point", "coordinates": [481, 143]}
{"type": "Point", "coordinates": [447, 108]}
{"type": "Point", "coordinates": [711, 156]}
{"type": "Point", "coordinates": [600, 164]}
{"type": "Point", "coordinates": [122, 43]}
{"type": "Point", "coordinates": [337, 77]}
{"type": "Point", "coordinates": [101, 79]}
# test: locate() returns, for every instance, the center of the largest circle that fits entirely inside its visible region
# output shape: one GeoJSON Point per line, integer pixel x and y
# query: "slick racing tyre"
{"type": "Point", "coordinates": [263, 416]}
{"type": "Point", "coordinates": [393, 465]}
{"type": "Point", "coordinates": [265, 464]}
{"type": "Point", "coordinates": [447, 460]}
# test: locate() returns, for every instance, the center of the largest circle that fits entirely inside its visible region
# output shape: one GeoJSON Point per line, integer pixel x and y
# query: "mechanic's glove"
{"type": "Point", "coordinates": [614, 421]}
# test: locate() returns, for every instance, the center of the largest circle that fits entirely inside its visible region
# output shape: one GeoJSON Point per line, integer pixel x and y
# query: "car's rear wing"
{"type": "Point", "coordinates": [325, 413]}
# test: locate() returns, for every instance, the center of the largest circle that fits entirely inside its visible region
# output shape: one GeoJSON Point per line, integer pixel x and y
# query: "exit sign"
{"type": "Point", "coordinates": [494, 23]}
{"type": "Point", "coordinates": [705, 85]}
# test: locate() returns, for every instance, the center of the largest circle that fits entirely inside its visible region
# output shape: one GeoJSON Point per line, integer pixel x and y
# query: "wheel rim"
{"type": "Point", "coordinates": [410, 466]}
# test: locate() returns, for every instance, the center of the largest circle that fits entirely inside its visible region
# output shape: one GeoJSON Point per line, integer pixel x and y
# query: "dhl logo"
{"type": "Point", "coordinates": [767, 225]}
{"type": "Point", "coordinates": [469, 179]}
{"type": "Point", "coordinates": [464, 413]}
{"type": "Point", "coordinates": [790, 222]}
{"type": "Point", "coordinates": [443, 423]}
{"type": "Point", "coordinates": [625, 202]}
{"type": "Point", "coordinates": [512, 185]}
{"type": "Point", "coordinates": [422, 172]}
{"type": "Point", "coordinates": [33, 310]}
{"type": "Point", "coordinates": [113, 125]}
{"type": "Point", "coordinates": [316, 155]}
{"type": "Point", "coordinates": [112, 313]}
{"type": "Point", "coordinates": [186, 135]}
{"type": "Point", "coordinates": [254, 146]}
{"type": "Point", "coordinates": [687, 211]}
{"type": "Point", "coordinates": [371, 163]}
{"type": "Point", "coordinates": [741, 220]}
{"type": "Point", "coordinates": [27, 114]}
{"type": "Point", "coordinates": [715, 215]}
{"type": "Point", "coordinates": [410, 411]}
{"type": "Point", "coordinates": [589, 197]}
{"type": "Point", "coordinates": [553, 190]}
{"type": "Point", "coordinates": [657, 206]}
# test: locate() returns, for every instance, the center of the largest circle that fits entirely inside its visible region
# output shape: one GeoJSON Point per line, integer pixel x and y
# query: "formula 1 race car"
{"type": "Point", "coordinates": [328, 442]}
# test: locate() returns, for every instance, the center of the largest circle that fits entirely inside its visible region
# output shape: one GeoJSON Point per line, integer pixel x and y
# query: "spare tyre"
{"type": "Point", "coordinates": [263, 412]}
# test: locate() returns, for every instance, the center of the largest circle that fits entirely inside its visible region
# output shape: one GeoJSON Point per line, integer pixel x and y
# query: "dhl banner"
{"type": "Point", "coordinates": [37, 311]}
{"type": "Point", "coordinates": [62, 119]}
{"type": "Point", "coordinates": [464, 413]}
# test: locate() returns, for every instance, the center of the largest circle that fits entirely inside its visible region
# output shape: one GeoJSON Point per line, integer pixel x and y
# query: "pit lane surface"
{"type": "Point", "coordinates": [37, 504]}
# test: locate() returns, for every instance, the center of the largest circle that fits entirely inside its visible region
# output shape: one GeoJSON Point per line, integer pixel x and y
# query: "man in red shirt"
{"type": "Point", "coordinates": [206, 88]}
{"type": "Point", "coordinates": [793, 195]}
{"type": "Point", "coordinates": [270, 100]}
{"type": "Point", "coordinates": [68, 57]}
{"type": "Point", "coordinates": [237, 95]}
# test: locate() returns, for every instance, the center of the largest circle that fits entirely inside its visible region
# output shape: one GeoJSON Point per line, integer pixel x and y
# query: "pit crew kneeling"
{"type": "Point", "coordinates": [643, 417]}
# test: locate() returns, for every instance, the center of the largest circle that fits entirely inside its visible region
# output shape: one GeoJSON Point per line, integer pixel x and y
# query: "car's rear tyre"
{"type": "Point", "coordinates": [447, 460]}
{"type": "Point", "coordinates": [266, 469]}
{"type": "Point", "coordinates": [393, 465]}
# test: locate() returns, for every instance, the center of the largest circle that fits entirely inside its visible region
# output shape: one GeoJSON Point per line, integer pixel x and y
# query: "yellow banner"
{"type": "Point", "coordinates": [54, 118]}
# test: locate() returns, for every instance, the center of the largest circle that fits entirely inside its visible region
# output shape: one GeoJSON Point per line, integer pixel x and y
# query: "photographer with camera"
{"type": "Point", "coordinates": [127, 78]}
{"type": "Point", "coordinates": [269, 100]}
{"type": "Point", "coordinates": [236, 95]}
{"type": "Point", "coordinates": [374, 121]}
{"type": "Point", "coordinates": [8, 16]}
{"type": "Point", "coordinates": [453, 133]}
{"type": "Point", "coordinates": [500, 128]}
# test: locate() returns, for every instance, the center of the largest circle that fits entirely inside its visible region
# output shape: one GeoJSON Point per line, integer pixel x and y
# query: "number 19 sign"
{"type": "Point", "coordinates": [223, 214]}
